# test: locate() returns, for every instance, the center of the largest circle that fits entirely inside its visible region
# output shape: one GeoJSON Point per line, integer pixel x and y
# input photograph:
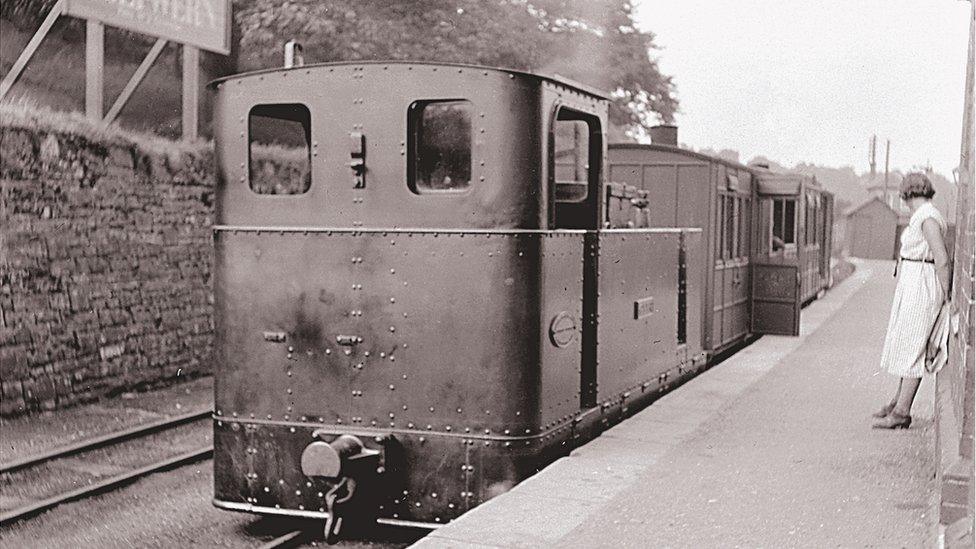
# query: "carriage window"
{"type": "Point", "coordinates": [439, 146]}
{"type": "Point", "coordinates": [744, 224]}
{"type": "Point", "coordinates": [812, 235]}
{"type": "Point", "coordinates": [731, 214]}
{"type": "Point", "coordinates": [789, 222]}
{"type": "Point", "coordinates": [720, 230]}
{"type": "Point", "coordinates": [279, 154]}
{"type": "Point", "coordinates": [784, 223]}
{"type": "Point", "coordinates": [765, 219]}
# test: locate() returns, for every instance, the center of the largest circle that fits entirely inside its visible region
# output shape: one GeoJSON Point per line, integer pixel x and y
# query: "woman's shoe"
{"type": "Point", "coordinates": [894, 420]}
{"type": "Point", "coordinates": [883, 412]}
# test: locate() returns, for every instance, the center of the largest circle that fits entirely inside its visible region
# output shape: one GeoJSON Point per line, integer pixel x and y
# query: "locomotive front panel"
{"type": "Point", "coordinates": [380, 320]}
{"type": "Point", "coordinates": [375, 334]}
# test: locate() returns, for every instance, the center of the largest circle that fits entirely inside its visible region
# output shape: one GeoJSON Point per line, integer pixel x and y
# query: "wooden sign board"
{"type": "Point", "coordinates": [205, 24]}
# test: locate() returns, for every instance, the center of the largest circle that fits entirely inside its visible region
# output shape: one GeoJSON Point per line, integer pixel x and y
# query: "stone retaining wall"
{"type": "Point", "coordinates": [105, 263]}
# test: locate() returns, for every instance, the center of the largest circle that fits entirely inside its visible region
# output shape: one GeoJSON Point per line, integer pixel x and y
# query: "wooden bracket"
{"type": "Point", "coordinates": [30, 49]}
{"type": "Point", "coordinates": [134, 82]}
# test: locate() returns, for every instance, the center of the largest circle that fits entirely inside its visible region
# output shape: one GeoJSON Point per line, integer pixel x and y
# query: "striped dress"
{"type": "Point", "coordinates": [918, 298]}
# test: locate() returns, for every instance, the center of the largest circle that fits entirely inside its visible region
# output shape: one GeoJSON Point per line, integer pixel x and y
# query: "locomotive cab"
{"type": "Point", "coordinates": [419, 289]}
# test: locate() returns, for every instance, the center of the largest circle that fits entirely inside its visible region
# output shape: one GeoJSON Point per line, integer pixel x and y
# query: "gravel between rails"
{"type": "Point", "coordinates": [66, 474]}
{"type": "Point", "coordinates": [171, 509]}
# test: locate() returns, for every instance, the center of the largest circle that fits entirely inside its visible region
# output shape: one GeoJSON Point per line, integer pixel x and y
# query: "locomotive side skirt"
{"type": "Point", "coordinates": [638, 270]}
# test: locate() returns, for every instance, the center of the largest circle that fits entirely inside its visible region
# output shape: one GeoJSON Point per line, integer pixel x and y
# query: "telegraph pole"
{"type": "Point", "coordinates": [872, 143]}
{"type": "Point", "coordinates": [887, 156]}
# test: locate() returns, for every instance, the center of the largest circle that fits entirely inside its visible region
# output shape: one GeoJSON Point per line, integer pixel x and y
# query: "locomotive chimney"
{"type": "Point", "coordinates": [665, 134]}
{"type": "Point", "coordinates": [294, 57]}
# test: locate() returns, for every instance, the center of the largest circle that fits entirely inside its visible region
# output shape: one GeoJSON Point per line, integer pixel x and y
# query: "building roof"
{"type": "Point", "coordinates": [867, 202]}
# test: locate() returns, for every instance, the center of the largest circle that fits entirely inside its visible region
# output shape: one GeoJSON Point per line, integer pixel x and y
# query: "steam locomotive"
{"type": "Point", "coordinates": [434, 279]}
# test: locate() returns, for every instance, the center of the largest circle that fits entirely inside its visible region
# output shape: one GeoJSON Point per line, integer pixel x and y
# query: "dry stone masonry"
{"type": "Point", "coordinates": [105, 265]}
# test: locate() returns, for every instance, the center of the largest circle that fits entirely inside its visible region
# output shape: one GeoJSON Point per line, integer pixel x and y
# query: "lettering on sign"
{"type": "Point", "coordinates": [201, 23]}
{"type": "Point", "coordinates": [643, 307]}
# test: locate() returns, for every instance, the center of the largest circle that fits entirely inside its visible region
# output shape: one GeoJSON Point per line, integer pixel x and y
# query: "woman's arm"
{"type": "Point", "coordinates": [933, 235]}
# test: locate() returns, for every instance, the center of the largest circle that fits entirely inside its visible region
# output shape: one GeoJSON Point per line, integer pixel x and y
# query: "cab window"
{"type": "Point", "coordinates": [572, 148]}
{"type": "Point", "coordinates": [575, 149]}
{"type": "Point", "coordinates": [439, 146]}
{"type": "Point", "coordinates": [279, 151]}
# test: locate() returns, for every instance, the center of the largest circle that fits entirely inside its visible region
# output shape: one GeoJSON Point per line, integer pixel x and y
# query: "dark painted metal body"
{"type": "Point", "coordinates": [696, 190]}
{"type": "Point", "coordinates": [469, 337]}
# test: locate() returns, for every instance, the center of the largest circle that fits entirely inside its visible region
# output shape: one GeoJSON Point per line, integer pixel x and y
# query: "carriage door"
{"type": "Point", "coordinates": [576, 150]}
{"type": "Point", "coordinates": [776, 271]}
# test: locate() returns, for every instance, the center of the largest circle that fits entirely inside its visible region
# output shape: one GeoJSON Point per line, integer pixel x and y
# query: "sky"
{"type": "Point", "coordinates": [812, 81]}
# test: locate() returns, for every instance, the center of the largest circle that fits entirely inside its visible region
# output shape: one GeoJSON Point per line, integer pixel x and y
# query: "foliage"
{"type": "Point", "coordinates": [592, 41]}
{"type": "Point", "coordinates": [22, 113]}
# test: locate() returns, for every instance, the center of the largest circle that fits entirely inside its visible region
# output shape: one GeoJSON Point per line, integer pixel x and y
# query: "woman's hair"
{"type": "Point", "coordinates": [916, 185]}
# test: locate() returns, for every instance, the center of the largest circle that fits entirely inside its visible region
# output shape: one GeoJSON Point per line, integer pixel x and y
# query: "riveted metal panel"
{"type": "Point", "coordinates": [636, 265]}
{"type": "Point", "coordinates": [437, 329]}
{"type": "Point", "coordinates": [373, 100]}
{"type": "Point", "coordinates": [562, 314]}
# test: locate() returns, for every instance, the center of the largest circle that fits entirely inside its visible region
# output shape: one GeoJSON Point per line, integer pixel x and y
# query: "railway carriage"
{"type": "Point", "coordinates": [686, 188]}
{"type": "Point", "coordinates": [792, 253]}
{"type": "Point", "coordinates": [425, 291]}
{"type": "Point", "coordinates": [767, 234]}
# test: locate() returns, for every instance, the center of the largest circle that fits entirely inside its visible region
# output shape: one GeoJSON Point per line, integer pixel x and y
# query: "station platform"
{"type": "Point", "coordinates": [772, 447]}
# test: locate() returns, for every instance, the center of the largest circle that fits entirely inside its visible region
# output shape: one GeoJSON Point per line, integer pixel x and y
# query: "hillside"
{"type": "Point", "coordinates": [55, 76]}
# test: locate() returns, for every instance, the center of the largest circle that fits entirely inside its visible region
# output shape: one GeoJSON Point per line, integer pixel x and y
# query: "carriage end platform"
{"type": "Point", "coordinates": [774, 444]}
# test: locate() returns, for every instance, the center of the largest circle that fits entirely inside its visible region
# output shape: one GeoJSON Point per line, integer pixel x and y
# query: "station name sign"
{"type": "Point", "coordinates": [201, 23]}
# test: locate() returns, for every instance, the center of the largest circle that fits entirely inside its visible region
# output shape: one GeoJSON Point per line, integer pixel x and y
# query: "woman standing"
{"type": "Point", "coordinates": [922, 287]}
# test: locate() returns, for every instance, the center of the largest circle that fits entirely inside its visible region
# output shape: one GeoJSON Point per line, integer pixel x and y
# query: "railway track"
{"type": "Point", "coordinates": [295, 538]}
{"type": "Point", "coordinates": [101, 484]}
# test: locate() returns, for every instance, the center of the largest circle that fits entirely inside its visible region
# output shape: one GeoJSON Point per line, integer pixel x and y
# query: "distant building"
{"type": "Point", "coordinates": [889, 196]}
{"type": "Point", "coordinates": [872, 229]}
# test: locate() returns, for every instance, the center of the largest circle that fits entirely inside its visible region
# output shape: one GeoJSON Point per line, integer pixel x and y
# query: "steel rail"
{"type": "Point", "coordinates": [106, 485]}
{"type": "Point", "coordinates": [289, 540]}
{"type": "Point", "coordinates": [104, 440]}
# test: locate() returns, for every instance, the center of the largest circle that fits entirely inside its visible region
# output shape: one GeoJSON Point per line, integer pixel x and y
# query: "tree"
{"type": "Point", "coordinates": [591, 41]}
{"type": "Point", "coordinates": [594, 42]}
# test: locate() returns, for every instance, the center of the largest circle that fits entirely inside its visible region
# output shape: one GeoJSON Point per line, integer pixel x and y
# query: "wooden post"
{"type": "Point", "coordinates": [191, 91]}
{"type": "Point", "coordinates": [893, 203]}
{"type": "Point", "coordinates": [35, 42]}
{"type": "Point", "coordinates": [94, 68]}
